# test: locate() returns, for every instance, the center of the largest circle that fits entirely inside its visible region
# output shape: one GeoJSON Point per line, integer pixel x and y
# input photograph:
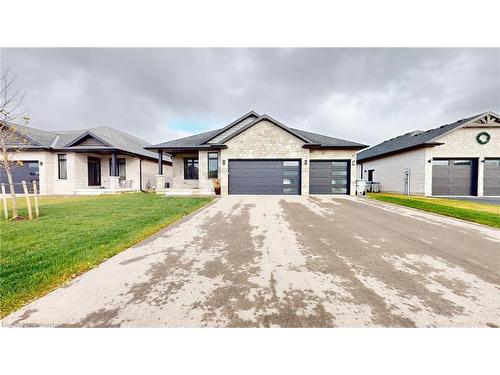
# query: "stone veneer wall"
{"type": "Point", "coordinates": [267, 141]}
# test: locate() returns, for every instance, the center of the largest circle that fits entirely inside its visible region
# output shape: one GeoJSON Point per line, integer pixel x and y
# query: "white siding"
{"type": "Point", "coordinates": [390, 171]}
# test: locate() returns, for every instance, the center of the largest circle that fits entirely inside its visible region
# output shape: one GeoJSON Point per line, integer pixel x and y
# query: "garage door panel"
{"type": "Point", "coordinates": [452, 177]}
{"type": "Point", "coordinates": [491, 184]}
{"type": "Point", "coordinates": [264, 177]}
{"type": "Point", "coordinates": [28, 171]}
{"type": "Point", "coordinates": [329, 177]}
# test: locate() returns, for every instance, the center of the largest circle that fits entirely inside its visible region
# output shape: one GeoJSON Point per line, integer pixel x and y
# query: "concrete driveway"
{"type": "Point", "coordinates": [290, 262]}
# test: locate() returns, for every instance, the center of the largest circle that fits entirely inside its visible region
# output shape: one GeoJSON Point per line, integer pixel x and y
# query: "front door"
{"type": "Point", "coordinates": [94, 171]}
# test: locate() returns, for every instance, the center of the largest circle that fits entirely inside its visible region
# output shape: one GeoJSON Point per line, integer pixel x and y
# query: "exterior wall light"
{"type": "Point", "coordinates": [305, 161]}
{"type": "Point", "coordinates": [429, 161]}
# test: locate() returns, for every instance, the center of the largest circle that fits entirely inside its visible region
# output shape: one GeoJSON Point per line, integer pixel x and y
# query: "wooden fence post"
{"type": "Point", "coordinates": [4, 198]}
{"type": "Point", "coordinates": [28, 202]}
{"type": "Point", "coordinates": [37, 211]}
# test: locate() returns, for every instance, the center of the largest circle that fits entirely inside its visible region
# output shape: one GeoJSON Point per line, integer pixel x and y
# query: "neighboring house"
{"type": "Point", "coordinates": [90, 161]}
{"type": "Point", "coordinates": [462, 158]}
{"type": "Point", "coordinates": [256, 154]}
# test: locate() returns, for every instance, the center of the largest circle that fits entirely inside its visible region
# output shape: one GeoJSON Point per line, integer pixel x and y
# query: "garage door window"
{"type": "Point", "coordinates": [441, 162]}
{"type": "Point", "coordinates": [492, 162]}
{"type": "Point", "coordinates": [339, 190]}
{"type": "Point", "coordinates": [339, 182]}
{"type": "Point", "coordinates": [288, 173]}
{"type": "Point", "coordinates": [294, 163]}
{"type": "Point", "coordinates": [461, 162]}
{"type": "Point", "coordinates": [290, 191]}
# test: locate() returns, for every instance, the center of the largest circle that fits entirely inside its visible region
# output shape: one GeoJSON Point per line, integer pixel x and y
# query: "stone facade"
{"type": "Point", "coordinates": [264, 140]}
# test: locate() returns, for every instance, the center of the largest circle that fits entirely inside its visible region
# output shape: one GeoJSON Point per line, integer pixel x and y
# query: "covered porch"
{"type": "Point", "coordinates": [106, 172]}
{"type": "Point", "coordinates": [193, 171]}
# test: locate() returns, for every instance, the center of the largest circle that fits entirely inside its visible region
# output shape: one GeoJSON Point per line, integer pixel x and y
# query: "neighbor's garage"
{"type": "Point", "coordinates": [28, 171]}
{"type": "Point", "coordinates": [454, 177]}
{"type": "Point", "coordinates": [329, 177]}
{"type": "Point", "coordinates": [264, 177]}
{"type": "Point", "coordinates": [491, 177]}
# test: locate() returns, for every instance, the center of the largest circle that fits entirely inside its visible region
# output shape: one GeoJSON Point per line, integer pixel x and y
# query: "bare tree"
{"type": "Point", "coordinates": [12, 140]}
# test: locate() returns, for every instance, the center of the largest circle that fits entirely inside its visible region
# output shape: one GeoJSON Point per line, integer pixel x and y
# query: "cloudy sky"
{"type": "Point", "coordinates": [364, 95]}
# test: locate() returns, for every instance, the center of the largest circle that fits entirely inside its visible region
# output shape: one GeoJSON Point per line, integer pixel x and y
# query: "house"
{"type": "Point", "coordinates": [461, 158]}
{"type": "Point", "coordinates": [89, 161]}
{"type": "Point", "coordinates": [256, 154]}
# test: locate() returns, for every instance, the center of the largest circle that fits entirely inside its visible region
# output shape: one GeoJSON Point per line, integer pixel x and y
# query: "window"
{"type": "Point", "coordinates": [440, 162]}
{"type": "Point", "coordinates": [121, 168]}
{"type": "Point", "coordinates": [462, 162]}
{"type": "Point", "coordinates": [213, 165]}
{"type": "Point", "coordinates": [294, 163]}
{"type": "Point", "coordinates": [190, 169]}
{"type": "Point", "coordinates": [62, 167]}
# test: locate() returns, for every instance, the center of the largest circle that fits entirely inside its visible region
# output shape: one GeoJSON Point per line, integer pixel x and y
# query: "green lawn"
{"type": "Point", "coordinates": [487, 214]}
{"type": "Point", "coordinates": [74, 234]}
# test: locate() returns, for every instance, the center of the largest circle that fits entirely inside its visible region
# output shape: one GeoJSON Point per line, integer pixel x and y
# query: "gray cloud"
{"type": "Point", "coordinates": [364, 94]}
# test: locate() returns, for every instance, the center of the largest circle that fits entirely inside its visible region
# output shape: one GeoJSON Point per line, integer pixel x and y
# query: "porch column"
{"type": "Point", "coordinates": [160, 178]}
{"type": "Point", "coordinates": [114, 165]}
{"type": "Point", "coordinates": [160, 162]}
{"type": "Point", "coordinates": [114, 179]}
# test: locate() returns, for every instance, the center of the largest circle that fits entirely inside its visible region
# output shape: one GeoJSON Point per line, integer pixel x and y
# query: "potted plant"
{"type": "Point", "coordinates": [216, 185]}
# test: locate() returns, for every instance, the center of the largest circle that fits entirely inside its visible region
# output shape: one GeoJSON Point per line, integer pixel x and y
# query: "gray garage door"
{"type": "Point", "coordinates": [28, 172]}
{"type": "Point", "coordinates": [264, 177]}
{"type": "Point", "coordinates": [329, 177]}
{"type": "Point", "coordinates": [491, 177]}
{"type": "Point", "coordinates": [453, 177]}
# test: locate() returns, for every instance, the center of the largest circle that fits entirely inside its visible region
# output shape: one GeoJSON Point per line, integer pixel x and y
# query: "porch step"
{"type": "Point", "coordinates": [90, 191]}
{"type": "Point", "coordinates": [176, 191]}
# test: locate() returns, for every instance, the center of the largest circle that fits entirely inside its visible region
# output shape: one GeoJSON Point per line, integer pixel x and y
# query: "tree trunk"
{"type": "Point", "coordinates": [12, 193]}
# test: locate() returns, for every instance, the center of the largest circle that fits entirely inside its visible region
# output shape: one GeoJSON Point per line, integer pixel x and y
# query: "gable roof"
{"type": "Point", "coordinates": [69, 140]}
{"type": "Point", "coordinates": [217, 138]}
{"type": "Point", "coordinates": [416, 139]}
